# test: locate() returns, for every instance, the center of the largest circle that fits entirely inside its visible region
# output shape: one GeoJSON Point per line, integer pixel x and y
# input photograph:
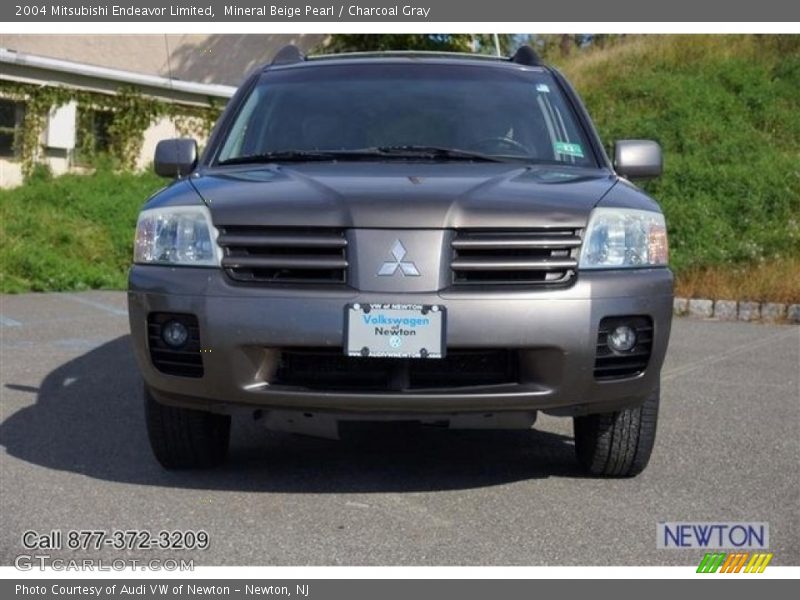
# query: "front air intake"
{"type": "Point", "coordinates": [271, 255]}
{"type": "Point", "coordinates": [329, 369]}
{"type": "Point", "coordinates": [525, 257]}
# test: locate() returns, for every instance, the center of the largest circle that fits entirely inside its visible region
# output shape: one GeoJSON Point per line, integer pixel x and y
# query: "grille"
{"type": "Point", "coordinates": [186, 362]}
{"type": "Point", "coordinates": [330, 369]}
{"type": "Point", "coordinates": [539, 257]}
{"type": "Point", "coordinates": [277, 255]}
{"type": "Point", "coordinates": [616, 365]}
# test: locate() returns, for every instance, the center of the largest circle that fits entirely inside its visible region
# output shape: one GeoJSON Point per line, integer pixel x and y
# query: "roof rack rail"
{"type": "Point", "coordinates": [405, 54]}
{"type": "Point", "coordinates": [288, 55]}
{"type": "Point", "coordinates": [525, 55]}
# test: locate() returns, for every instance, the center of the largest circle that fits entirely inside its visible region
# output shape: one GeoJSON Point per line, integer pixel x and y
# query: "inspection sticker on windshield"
{"type": "Point", "coordinates": [394, 330]}
{"type": "Point", "coordinates": [568, 149]}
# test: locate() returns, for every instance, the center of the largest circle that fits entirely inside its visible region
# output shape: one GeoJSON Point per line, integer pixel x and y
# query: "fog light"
{"type": "Point", "coordinates": [622, 338]}
{"type": "Point", "coordinates": [174, 334]}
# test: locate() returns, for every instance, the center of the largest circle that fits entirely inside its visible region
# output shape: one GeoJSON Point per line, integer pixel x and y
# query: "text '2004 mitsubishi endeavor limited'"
{"type": "Point", "coordinates": [425, 237]}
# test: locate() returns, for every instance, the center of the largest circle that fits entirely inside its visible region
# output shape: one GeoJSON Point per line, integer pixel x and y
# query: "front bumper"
{"type": "Point", "coordinates": [244, 328]}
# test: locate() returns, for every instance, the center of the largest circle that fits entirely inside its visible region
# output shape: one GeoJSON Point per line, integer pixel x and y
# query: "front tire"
{"type": "Point", "coordinates": [183, 438]}
{"type": "Point", "coordinates": [617, 444]}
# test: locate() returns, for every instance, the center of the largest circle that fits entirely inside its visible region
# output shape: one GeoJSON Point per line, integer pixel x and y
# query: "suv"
{"type": "Point", "coordinates": [425, 237]}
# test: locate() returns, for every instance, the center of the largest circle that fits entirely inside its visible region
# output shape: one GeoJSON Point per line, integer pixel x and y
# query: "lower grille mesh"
{"type": "Point", "coordinates": [330, 369]}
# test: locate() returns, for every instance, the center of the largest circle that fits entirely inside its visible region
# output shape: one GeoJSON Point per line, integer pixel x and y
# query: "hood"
{"type": "Point", "coordinates": [402, 194]}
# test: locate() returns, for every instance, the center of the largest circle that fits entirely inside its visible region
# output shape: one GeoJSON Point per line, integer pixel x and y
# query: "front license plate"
{"type": "Point", "coordinates": [394, 330]}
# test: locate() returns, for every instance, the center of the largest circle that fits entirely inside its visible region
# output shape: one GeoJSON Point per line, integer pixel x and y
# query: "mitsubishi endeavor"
{"type": "Point", "coordinates": [425, 237]}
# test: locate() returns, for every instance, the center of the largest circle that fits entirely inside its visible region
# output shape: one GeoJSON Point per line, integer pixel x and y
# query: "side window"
{"type": "Point", "coordinates": [11, 115]}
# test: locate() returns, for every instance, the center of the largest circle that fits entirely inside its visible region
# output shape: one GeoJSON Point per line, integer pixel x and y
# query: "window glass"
{"type": "Point", "coordinates": [11, 115]}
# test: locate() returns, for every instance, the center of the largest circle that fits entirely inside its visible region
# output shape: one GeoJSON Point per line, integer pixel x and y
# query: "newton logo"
{"type": "Point", "coordinates": [713, 536]}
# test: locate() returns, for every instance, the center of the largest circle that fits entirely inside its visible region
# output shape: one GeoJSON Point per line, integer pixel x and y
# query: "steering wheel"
{"type": "Point", "coordinates": [501, 141]}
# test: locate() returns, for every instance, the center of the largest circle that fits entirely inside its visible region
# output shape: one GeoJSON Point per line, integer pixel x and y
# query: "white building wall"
{"type": "Point", "coordinates": [206, 58]}
{"type": "Point", "coordinates": [10, 173]}
{"type": "Point", "coordinates": [59, 164]}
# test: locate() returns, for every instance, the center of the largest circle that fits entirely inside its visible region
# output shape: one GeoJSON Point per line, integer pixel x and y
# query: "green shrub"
{"type": "Point", "coordinates": [40, 172]}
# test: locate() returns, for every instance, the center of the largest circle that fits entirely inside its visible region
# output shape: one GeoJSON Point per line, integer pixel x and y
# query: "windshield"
{"type": "Point", "coordinates": [399, 111]}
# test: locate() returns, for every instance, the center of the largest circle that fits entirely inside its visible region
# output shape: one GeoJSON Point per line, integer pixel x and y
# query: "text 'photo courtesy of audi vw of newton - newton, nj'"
{"type": "Point", "coordinates": [424, 237]}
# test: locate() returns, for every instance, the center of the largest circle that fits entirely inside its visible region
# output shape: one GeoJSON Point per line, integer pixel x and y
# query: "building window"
{"type": "Point", "coordinates": [100, 124]}
{"type": "Point", "coordinates": [11, 115]}
{"type": "Point", "coordinates": [93, 133]}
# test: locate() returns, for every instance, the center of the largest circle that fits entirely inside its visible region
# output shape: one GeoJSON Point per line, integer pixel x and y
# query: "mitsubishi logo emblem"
{"type": "Point", "coordinates": [390, 267]}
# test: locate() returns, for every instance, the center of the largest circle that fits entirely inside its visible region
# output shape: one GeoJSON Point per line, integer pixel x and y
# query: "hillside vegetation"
{"type": "Point", "coordinates": [71, 233]}
{"type": "Point", "coordinates": [726, 110]}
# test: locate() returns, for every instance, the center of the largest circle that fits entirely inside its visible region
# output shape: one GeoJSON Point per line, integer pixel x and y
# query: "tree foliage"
{"type": "Point", "coordinates": [437, 42]}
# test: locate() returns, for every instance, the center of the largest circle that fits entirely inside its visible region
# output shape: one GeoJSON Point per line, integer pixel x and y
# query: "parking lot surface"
{"type": "Point", "coordinates": [74, 455]}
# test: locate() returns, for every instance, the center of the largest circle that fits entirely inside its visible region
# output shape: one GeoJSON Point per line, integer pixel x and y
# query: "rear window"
{"type": "Point", "coordinates": [500, 112]}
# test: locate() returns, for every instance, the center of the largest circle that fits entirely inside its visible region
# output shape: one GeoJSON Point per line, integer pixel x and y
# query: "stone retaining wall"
{"type": "Point", "coordinates": [731, 310]}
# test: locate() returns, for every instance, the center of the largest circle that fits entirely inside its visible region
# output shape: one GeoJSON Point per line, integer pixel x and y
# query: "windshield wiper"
{"type": "Point", "coordinates": [400, 152]}
{"type": "Point", "coordinates": [440, 152]}
{"type": "Point", "coordinates": [296, 156]}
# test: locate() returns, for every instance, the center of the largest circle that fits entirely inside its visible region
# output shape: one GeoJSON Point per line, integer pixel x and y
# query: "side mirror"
{"type": "Point", "coordinates": [175, 157]}
{"type": "Point", "coordinates": [638, 159]}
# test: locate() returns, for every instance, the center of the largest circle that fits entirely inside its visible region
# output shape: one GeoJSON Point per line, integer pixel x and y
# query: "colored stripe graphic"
{"type": "Point", "coordinates": [758, 563]}
{"type": "Point", "coordinates": [728, 564]}
{"type": "Point", "coordinates": [767, 558]}
{"type": "Point", "coordinates": [731, 562]}
{"type": "Point", "coordinates": [751, 566]}
{"type": "Point", "coordinates": [702, 566]}
{"type": "Point", "coordinates": [734, 562]}
{"type": "Point", "coordinates": [711, 562]}
{"type": "Point", "coordinates": [741, 562]}
{"type": "Point", "coordinates": [715, 564]}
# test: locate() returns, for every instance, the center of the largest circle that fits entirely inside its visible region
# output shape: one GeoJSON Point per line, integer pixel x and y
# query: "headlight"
{"type": "Point", "coordinates": [621, 238]}
{"type": "Point", "coordinates": [176, 235]}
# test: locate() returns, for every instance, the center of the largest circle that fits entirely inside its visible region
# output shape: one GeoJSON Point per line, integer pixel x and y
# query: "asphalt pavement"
{"type": "Point", "coordinates": [74, 455]}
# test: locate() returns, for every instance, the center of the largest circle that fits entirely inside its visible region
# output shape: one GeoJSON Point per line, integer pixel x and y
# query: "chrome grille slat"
{"type": "Point", "coordinates": [287, 262]}
{"type": "Point", "coordinates": [493, 242]}
{"type": "Point", "coordinates": [278, 240]}
{"type": "Point", "coordinates": [488, 264]}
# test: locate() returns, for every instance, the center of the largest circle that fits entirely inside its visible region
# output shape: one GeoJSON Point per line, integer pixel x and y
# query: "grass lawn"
{"type": "Point", "coordinates": [73, 232]}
